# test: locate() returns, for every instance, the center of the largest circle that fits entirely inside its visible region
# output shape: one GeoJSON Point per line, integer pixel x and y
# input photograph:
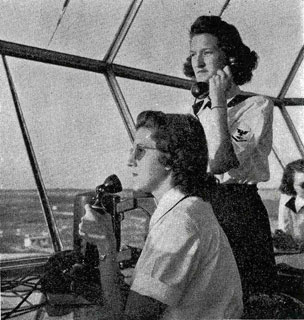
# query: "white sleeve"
{"type": "Point", "coordinates": [252, 131]}
{"type": "Point", "coordinates": [167, 262]}
{"type": "Point", "coordinates": [284, 222]}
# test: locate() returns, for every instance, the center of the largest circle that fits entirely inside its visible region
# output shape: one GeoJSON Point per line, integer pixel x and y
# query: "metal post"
{"type": "Point", "coordinates": [275, 152]}
{"type": "Point", "coordinates": [121, 104]}
{"type": "Point", "coordinates": [282, 94]}
{"type": "Point", "coordinates": [292, 130]}
{"type": "Point", "coordinates": [122, 31]}
{"type": "Point", "coordinates": [292, 74]}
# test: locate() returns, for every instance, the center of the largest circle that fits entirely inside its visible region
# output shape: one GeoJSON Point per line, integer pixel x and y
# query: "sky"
{"type": "Point", "coordinates": [75, 128]}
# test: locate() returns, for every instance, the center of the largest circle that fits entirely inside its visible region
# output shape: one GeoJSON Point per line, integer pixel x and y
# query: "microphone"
{"type": "Point", "coordinates": [105, 201]}
{"type": "Point", "coordinates": [111, 185]}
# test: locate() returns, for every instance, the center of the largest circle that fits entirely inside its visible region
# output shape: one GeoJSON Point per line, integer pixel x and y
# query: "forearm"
{"type": "Point", "coordinates": [137, 307]}
{"type": "Point", "coordinates": [221, 154]}
{"type": "Point", "coordinates": [113, 301]}
{"type": "Point", "coordinates": [97, 229]}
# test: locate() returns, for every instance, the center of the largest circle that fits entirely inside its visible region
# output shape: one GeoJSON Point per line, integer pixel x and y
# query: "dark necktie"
{"type": "Point", "coordinates": [197, 106]}
{"type": "Point", "coordinates": [236, 100]}
{"type": "Point", "coordinates": [291, 204]}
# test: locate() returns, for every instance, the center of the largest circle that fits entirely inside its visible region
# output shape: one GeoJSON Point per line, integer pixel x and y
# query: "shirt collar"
{"type": "Point", "coordinates": [166, 203]}
{"type": "Point", "coordinates": [299, 203]}
{"type": "Point", "coordinates": [291, 204]}
{"type": "Point", "coordinates": [201, 103]}
{"type": "Point", "coordinates": [295, 204]}
{"type": "Point", "coordinates": [234, 91]}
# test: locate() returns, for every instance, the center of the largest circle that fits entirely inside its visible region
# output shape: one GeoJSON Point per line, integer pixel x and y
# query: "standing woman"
{"type": "Point", "coordinates": [238, 129]}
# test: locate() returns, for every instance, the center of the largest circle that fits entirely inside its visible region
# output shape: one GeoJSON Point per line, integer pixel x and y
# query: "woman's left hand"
{"type": "Point", "coordinates": [97, 228]}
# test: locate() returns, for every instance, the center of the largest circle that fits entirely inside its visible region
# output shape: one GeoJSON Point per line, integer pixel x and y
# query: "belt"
{"type": "Point", "coordinates": [236, 188]}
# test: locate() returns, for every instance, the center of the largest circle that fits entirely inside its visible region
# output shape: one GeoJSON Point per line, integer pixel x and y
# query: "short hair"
{"type": "Point", "coordinates": [287, 181]}
{"type": "Point", "coordinates": [182, 141]}
{"type": "Point", "coordinates": [230, 42]}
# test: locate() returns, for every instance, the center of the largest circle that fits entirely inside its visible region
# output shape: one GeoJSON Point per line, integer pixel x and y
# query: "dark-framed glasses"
{"type": "Point", "coordinates": [139, 151]}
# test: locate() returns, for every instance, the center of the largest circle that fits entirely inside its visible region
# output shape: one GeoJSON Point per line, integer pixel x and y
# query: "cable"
{"type": "Point", "coordinates": [65, 5]}
{"type": "Point", "coordinates": [14, 310]}
{"type": "Point", "coordinates": [144, 210]}
{"type": "Point", "coordinates": [22, 310]}
{"type": "Point", "coordinates": [224, 7]}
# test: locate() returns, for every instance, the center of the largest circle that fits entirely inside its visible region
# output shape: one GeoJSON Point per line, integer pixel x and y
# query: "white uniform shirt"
{"type": "Point", "coordinates": [291, 216]}
{"type": "Point", "coordinates": [187, 262]}
{"type": "Point", "coordinates": [250, 127]}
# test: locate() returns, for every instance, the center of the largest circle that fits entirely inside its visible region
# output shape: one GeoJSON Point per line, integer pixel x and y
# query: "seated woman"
{"type": "Point", "coordinates": [291, 208]}
{"type": "Point", "coordinates": [186, 269]}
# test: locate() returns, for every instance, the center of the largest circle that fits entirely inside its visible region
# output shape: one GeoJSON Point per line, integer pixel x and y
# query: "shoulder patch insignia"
{"type": "Point", "coordinates": [241, 133]}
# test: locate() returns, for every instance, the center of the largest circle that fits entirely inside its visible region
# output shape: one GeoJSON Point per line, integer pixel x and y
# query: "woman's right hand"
{"type": "Point", "coordinates": [97, 228]}
{"type": "Point", "coordinates": [219, 84]}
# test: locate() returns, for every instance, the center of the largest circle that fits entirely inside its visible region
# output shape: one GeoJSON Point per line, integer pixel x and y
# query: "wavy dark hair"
{"type": "Point", "coordinates": [230, 42]}
{"type": "Point", "coordinates": [181, 139]}
{"type": "Point", "coordinates": [287, 181]}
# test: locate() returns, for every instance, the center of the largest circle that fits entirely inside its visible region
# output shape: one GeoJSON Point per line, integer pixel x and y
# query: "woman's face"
{"type": "Point", "coordinates": [298, 183]}
{"type": "Point", "coordinates": [148, 173]}
{"type": "Point", "coordinates": [206, 56]}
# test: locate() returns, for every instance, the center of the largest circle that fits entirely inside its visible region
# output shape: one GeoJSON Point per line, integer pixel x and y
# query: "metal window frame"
{"type": "Point", "coordinates": [110, 70]}
{"type": "Point", "coordinates": [290, 77]}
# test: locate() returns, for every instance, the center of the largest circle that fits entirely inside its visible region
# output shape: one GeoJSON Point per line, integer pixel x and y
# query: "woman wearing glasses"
{"type": "Point", "coordinates": [186, 269]}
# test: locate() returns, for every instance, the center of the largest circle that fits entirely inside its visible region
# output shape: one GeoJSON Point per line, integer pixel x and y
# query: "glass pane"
{"type": "Point", "coordinates": [297, 116]}
{"type": "Point", "coordinates": [296, 88]}
{"type": "Point", "coordinates": [283, 140]}
{"type": "Point", "coordinates": [265, 30]}
{"type": "Point", "coordinates": [158, 39]}
{"type": "Point", "coordinates": [20, 209]}
{"type": "Point", "coordinates": [77, 134]}
{"type": "Point", "coordinates": [155, 97]}
{"type": "Point", "coordinates": [87, 28]}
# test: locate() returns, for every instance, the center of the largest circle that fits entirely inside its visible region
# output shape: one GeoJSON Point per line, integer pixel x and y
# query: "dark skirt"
{"type": "Point", "coordinates": [243, 216]}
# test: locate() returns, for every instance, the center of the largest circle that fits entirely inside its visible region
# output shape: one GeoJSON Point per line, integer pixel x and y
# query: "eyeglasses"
{"type": "Point", "coordinates": [139, 152]}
